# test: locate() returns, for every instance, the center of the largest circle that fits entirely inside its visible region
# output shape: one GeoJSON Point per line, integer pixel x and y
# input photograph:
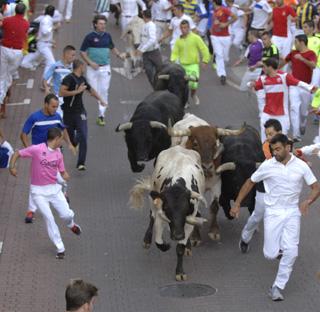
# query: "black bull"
{"type": "Point", "coordinates": [240, 158]}
{"type": "Point", "coordinates": [146, 133]}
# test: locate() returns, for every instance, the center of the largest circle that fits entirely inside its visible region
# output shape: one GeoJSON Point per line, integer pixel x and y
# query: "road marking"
{"type": "Point", "coordinates": [25, 102]}
{"type": "Point", "coordinates": [131, 102]}
{"type": "Point", "coordinates": [28, 84]}
{"type": "Point", "coordinates": [1, 244]}
{"type": "Point", "coordinates": [232, 84]}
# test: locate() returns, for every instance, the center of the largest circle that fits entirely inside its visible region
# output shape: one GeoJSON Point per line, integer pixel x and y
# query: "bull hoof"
{"type": "Point", "coordinates": [214, 236]}
{"type": "Point", "coordinates": [138, 168]}
{"type": "Point", "coordinates": [181, 277]}
{"type": "Point", "coordinates": [195, 242]}
{"type": "Point", "coordinates": [187, 252]}
{"type": "Point", "coordinates": [163, 247]}
{"type": "Point", "coordinates": [146, 245]}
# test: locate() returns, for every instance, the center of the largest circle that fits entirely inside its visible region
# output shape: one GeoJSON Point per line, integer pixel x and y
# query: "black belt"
{"type": "Point", "coordinates": [127, 16]}
{"type": "Point", "coordinates": [161, 21]}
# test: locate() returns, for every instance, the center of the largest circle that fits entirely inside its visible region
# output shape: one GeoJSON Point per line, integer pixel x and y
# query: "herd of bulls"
{"type": "Point", "coordinates": [192, 158]}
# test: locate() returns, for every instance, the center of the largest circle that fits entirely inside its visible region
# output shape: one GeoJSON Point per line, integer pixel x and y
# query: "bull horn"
{"type": "Point", "coordinates": [195, 195]}
{"type": "Point", "coordinates": [195, 220]}
{"type": "Point", "coordinates": [157, 124]}
{"type": "Point", "coordinates": [225, 167]}
{"type": "Point", "coordinates": [123, 127]}
{"type": "Point", "coordinates": [179, 133]}
{"type": "Point", "coordinates": [163, 216]}
{"type": "Point", "coordinates": [258, 164]}
{"type": "Point", "coordinates": [191, 78]}
{"type": "Point", "coordinates": [164, 77]}
{"type": "Point", "coordinates": [222, 131]}
{"type": "Point", "coordinates": [219, 151]}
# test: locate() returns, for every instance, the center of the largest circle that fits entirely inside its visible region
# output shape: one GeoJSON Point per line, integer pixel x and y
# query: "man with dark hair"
{"type": "Point", "coordinates": [272, 128]}
{"type": "Point", "coordinates": [220, 37]}
{"type": "Point", "coordinates": [47, 161]}
{"type": "Point", "coordinates": [58, 71]}
{"type": "Point", "coordinates": [80, 296]}
{"type": "Point", "coordinates": [303, 61]}
{"type": "Point", "coordinates": [187, 51]}
{"type": "Point", "coordinates": [276, 85]}
{"type": "Point", "coordinates": [174, 27]}
{"type": "Point", "coordinates": [149, 47]}
{"type": "Point", "coordinates": [283, 177]}
{"type": "Point", "coordinates": [15, 30]}
{"type": "Point", "coordinates": [39, 123]}
{"type": "Point", "coordinates": [95, 50]}
{"type": "Point", "coordinates": [74, 112]}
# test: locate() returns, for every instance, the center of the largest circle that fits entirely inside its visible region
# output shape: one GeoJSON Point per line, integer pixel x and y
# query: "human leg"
{"type": "Point", "coordinates": [295, 103]}
{"type": "Point", "coordinates": [219, 54]}
{"type": "Point", "coordinates": [82, 132]}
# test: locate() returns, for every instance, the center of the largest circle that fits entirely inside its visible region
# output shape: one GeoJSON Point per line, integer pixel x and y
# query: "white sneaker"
{"type": "Point", "coordinates": [196, 100]}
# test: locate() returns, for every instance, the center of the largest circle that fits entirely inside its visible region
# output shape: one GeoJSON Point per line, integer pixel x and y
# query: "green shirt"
{"type": "Point", "coordinates": [186, 50]}
{"type": "Point", "coordinates": [314, 45]}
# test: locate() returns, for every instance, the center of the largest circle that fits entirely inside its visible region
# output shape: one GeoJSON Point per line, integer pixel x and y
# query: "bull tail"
{"type": "Point", "coordinates": [136, 199]}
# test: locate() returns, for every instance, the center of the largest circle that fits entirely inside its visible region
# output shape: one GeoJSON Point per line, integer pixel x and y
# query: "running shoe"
{"type": "Point", "coordinates": [76, 229]}
{"type": "Point", "coordinates": [60, 255]}
{"type": "Point", "coordinates": [82, 168]}
{"type": "Point", "coordinates": [29, 217]}
{"type": "Point", "coordinates": [100, 121]}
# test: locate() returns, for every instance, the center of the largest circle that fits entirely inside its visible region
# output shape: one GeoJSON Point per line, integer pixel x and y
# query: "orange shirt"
{"type": "Point", "coordinates": [266, 150]}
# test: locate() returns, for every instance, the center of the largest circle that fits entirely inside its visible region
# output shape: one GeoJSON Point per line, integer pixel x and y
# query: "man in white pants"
{"type": "Point", "coordinates": [44, 41]}
{"type": "Point", "coordinates": [220, 37]}
{"type": "Point", "coordinates": [95, 50]}
{"type": "Point", "coordinates": [303, 61]}
{"type": "Point", "coordinates": [272, 127]}
{"type": "Point", "coordinates": [47, 161]}
{"type": "Point", "coordinates": [283, 177]}
{"type": "Point", "coordinates": [161, 14]}
{"type": "Point", "coordinates": [129, 9]}
{"type": "Point", "coordinates": [66, 5]}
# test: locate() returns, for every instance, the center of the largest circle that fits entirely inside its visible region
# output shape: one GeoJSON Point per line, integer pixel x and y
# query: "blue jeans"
{"type": "Point", "coordinates": [77, 128]}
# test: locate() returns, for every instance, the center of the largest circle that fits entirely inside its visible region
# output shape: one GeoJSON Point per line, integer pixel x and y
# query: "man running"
{"type": "Point", "coordinates": [186, 52]}
{"type": "Point", "coordinates": [283, 177]}
{"type": "Point", "coordinates": [47, 161]}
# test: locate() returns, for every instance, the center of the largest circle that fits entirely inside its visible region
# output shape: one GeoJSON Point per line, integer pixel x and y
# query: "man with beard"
{"type": "Point", "coordinates": [283, 177]}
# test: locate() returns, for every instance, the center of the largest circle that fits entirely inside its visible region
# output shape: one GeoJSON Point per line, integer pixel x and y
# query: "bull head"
{"type": "Point", "coordinates": [124, 127]}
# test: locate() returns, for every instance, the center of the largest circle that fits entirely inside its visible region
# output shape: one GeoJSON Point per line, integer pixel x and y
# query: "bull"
{"type": "Point", "coordinates": [146, 133]}
{"type": "Point", "coordinates": [172, 77]}
{"type": "Point", "coordinates": [176, 189]}
{"type": "Point", "coordinates": [195, 133]}
{"type": "Point", "coordinates": [240, 158]}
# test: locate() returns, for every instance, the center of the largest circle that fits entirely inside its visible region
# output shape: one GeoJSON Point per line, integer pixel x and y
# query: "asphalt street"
{"type": "Point", "coordinates": [109, 252]}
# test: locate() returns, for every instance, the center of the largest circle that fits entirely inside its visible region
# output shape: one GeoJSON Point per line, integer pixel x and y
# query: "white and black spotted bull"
{"type": "Point", "coordinates": [195, 133]}
{"type": "Point", "coordinates": [176, 188]}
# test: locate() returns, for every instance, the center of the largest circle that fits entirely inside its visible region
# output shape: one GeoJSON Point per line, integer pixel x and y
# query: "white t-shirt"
{"type": "Point", "coordinates": [261, 10]}
{"type": "Point", "coordinates": [239, 23]}
{"type": "Point", "coordinates": [160, 10]}
{"type": "Point", "coordinates": [175, 26]}
{"type": "Point", "coordinates": [283, 183]}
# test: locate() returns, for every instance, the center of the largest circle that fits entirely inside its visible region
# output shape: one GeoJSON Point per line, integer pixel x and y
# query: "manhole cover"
{"type": "Point", "coordinates": [184, 290]}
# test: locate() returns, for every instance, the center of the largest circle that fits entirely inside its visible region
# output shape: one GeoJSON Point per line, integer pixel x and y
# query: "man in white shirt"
{"type": "Point", "coordinates": [161, 14]}
{"type": "Point", "coordinates": [149, 47]}
{"type": "Point", "coordinates": [174, 27]}
{"type": "Point", "coordinates": [262, 14]}
{"type": "Point", "coordinates": [44, 41]}
{"type": "Point", "coordinates": [283, 177]}
{"type": "Point", "coordinates": [129, 9]}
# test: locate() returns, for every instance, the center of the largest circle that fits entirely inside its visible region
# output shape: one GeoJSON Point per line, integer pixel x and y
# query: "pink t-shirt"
{"type": "Point", "coordinates": [45, 163]}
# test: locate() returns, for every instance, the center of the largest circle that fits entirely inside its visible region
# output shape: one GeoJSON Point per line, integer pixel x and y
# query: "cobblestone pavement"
{"type": "Point", "coordinates": [109, 252]}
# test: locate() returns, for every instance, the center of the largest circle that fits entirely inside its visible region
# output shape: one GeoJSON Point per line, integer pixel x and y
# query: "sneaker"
{"type": "Point", "coordinates": [76, 229]}
{"type": "Point", "coordinates": [100, 121]}
{"type": "Point", "coordinates": [196, 100]}
{"type": "Point", "coordinates": [214, 66]}
{"type": "Point", "coordinates": [60, 255]}
{"type": "Point", "coordinates": [302, 130]}
{"type": "Point", "coordinates": [82, 168]}
{"type": "Point", "coordinates": [223, 80]}
{"type": "Point", "coordinates": [275, 294]}
{"type": "Point", "coordinates": [29, 217]}
{"type": "Point", "coordinates": [244, 247]}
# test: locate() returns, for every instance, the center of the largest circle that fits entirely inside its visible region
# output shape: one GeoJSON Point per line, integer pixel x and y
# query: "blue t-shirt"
{"type": "Point", "coordinates": [98, 46]}
{"type": "Point", "coordinates": [6, 151]}
{"type": "Point", "coordinates": [57, 72]}
{"type": "Point", "coordinates": [39, 124]}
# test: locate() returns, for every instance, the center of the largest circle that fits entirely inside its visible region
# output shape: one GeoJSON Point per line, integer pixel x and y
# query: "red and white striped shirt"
{"type": "Point", "coordinates": [276, 89]}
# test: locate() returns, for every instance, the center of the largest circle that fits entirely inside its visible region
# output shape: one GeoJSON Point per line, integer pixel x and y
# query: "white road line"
{"type": "Point", "coordinates": [28, 84]}
{"type": "Point", "coordinates": [25, 102]}
{"type": "Point", "coordinates": [131, 102]}
{"type": "Point", "coordinates": [1, 245]}
{"type": "Point", "coordinates": [232, 84]}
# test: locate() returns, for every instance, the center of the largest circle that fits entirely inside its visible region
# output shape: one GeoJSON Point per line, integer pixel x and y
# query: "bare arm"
{"type": "Point", "coordinates": [94, 93]}
{"type": "Point", "coordinates": [86, 58]}
{"type": "Point", "coordinates": [314, 194]}
{"type": "Point", "coordinates": [65, 92]}
{"type": "Point", "coordinates": [244, 191]}
{"type": "Point", "coordinates": [24, 139]}
{"type": "Point", "coordinates": [12, 166]}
